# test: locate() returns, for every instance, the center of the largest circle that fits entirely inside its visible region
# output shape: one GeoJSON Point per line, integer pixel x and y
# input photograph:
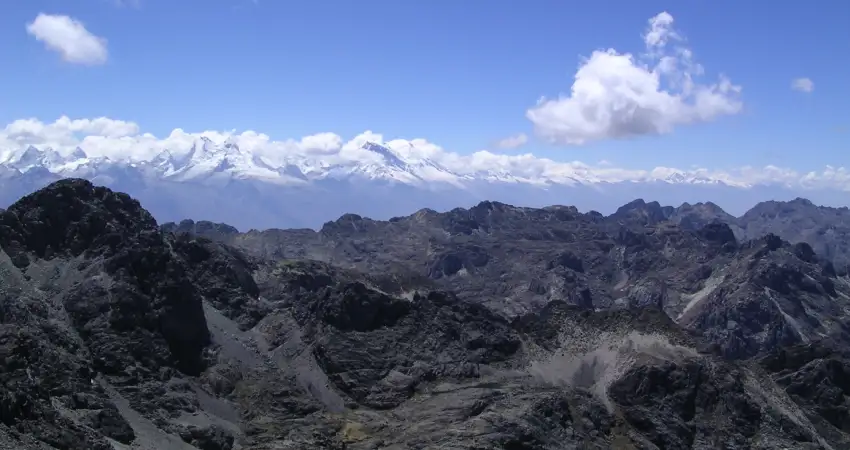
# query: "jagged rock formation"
{"type": "Point", "coordinates": [608, 333]}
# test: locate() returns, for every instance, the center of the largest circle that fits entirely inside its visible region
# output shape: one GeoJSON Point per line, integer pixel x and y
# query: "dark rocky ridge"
{"type": "Point", "coordinates": [115, 334]}
{"type": "Point", "coordinates": [746, 296]}
{"type": "Point", "coordinates": [826, 229]}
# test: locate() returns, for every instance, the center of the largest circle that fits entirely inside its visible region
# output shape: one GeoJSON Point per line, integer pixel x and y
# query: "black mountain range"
{"type": "Point", "coordinates": [494, 327]}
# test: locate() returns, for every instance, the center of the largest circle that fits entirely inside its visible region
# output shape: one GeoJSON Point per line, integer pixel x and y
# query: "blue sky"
{"type": "Point", "coordinates": [461, 74]}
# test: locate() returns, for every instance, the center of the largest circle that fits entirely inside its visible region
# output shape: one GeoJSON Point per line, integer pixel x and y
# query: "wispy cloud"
{"type": "Point", "coordinates": [515, 141]}
{"type": "Point", "coordinates": [803, 85]}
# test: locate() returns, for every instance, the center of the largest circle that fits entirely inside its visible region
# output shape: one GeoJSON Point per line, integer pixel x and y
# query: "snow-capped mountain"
{"type": "Point", "coordinates": [47, 158]}
{"type": "Point", "coordinates": [394, 166]}
{"type": "Point", "coordinates": [222, 182]}
{"type": "Point", "coordinates": [206, 160]}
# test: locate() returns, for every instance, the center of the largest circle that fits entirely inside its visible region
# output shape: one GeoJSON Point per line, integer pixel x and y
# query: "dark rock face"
{"type": "Point", "coordinates": [567, 260]}
{"type": "Point", "coordinates": [641, 213]}
{"type": "Point", "coordinates": [70, 217]}
{"type": "Point", "coordinates": [434, 337]}
{"type": "Point", "coordinates": [224, 277]}
{"type": "Point", "coordinates": [209, 438]}
{"type": "Point", "coordinates": [514, 328]}
{"type": "Point", "coordinates": [816, 377]}
{"type": "Point", "coordinates": [452, 262]}
{"type": "Point", "coordinates": [718, 232]}
{"type": "Point", "coordinates": [693, 405]}
{"type": "Point", "coordinates": [356, 308]}
{"type": "Point", "coordinates": [101, 297]}
{"type": "Point", "coordinates": [36, 370]}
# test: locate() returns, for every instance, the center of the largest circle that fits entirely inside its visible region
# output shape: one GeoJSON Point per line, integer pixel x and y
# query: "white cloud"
{"type": "Point", "coordinates": [122, 140]}
{"type": "Point", "coordinates": [515, 141]}
{"type": "Point", "coordinates": [618, 95]}
{"type": "Point", "coordinates": [69, 38]}
{"type": "Point", "coordinates": [803, 85]}
{"type": "Point", "coordinates": [65, 132]}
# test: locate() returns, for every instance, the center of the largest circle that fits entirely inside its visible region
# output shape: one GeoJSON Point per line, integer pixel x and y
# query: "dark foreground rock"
{"type": "Point", "coordinates": [115, 334]}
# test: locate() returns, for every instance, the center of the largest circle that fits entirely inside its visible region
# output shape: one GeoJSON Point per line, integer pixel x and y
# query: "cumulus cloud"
{"type": "Point", "coordinates": [70, 38]}
{"type": "Point", "coordinates": [619, 95]}
{"type": "Point", "coordinates": [803, 85]}
{"type": "Point", "coordinates": [515, 141]}
{"type": "Point", "coordinates": [65, 132]}
{"type": "Point", "coordinates": [121, 140]}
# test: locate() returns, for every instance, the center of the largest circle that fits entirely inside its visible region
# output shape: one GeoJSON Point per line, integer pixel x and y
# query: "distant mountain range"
{"type": "Point", "coordinates": [220, 182]}
{"type": "Point", "coordinates": [826, 230]}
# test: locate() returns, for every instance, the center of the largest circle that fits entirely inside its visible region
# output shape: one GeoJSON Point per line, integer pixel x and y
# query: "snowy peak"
{"type": "Point", "coordinates": [164, 162]}
{"type": "Point", "coordinates": [408, 168]}
{"type": "Point", "coordinates": [208, 160]}
{"type": "Point", "coordinates": [78, 153]}
{"type": "Point", "coordinates": [205, 158]}
{"type": "Point", "coordinates": [389, 156]}
{"type": "Point", "coordinates": [204, 149]}
{"type": "Point", "coordinates": [30, 157]}
{"type": "Point", "coordinates": [164, 157]}
{"type": "Point", "coordinates": [391, 168]}
{"type": "Point", "coordinates": [48, 158]}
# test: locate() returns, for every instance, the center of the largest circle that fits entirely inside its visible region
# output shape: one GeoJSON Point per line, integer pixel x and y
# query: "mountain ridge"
{"type": "Point", "coordinates": [793, 224]}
